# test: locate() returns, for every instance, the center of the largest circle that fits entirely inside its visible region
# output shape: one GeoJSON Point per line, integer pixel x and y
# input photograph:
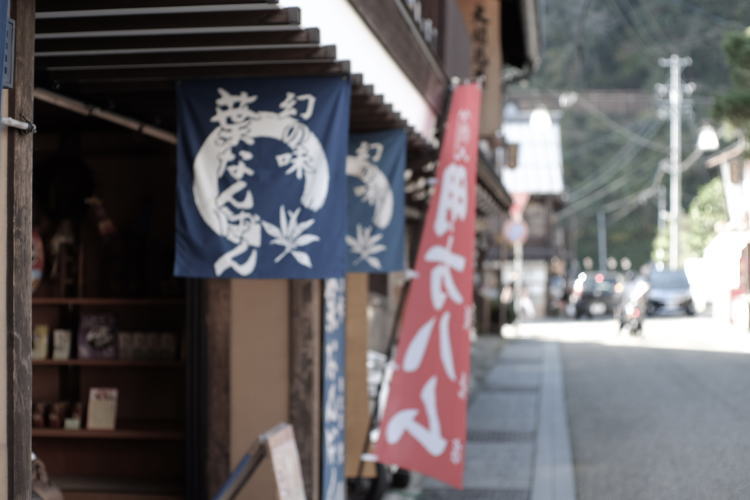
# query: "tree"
{"type": "Point", "coordinates": [706, 212]}
{"type": "Point", "coordinates": [734, 106]}
{"type": "Point", "coordinates": [615, 44]}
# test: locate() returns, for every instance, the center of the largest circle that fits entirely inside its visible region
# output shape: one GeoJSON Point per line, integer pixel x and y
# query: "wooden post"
{"type": "Point", "coordinates": [357, 409]}
{"type": "Point", "coordinates": [216, 299]}
{"type": "Point", "coordinates": [4, 294]}
{"type": "Point", "coordinates": [20, 147]}
{"type": "Point", "coordinates": [305, 335]}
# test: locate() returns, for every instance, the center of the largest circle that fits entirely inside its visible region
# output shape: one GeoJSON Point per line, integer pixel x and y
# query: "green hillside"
{"type": "Point", "coordinates": [616, 44]}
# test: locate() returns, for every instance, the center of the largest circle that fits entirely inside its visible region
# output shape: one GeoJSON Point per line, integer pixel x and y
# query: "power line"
{"type": "Point", "coordinates": [645, 142]}
{"type": "Point", "coordinates": [648, 24]}
{"type": "Point", "coordinates": [624, 212]}
{"type": "Point", "coordinates": [717, 17]}
{"type": "Point", "coordinates": [622, 157]}
{"type": "Point", "coordinates": [643, 42]}
{"type": "Point", "coordinates": [580, 146]}
{"type": "Point", "coordinates": [646, 194]}
{"type": "Point", "coordinates": [600, 193]}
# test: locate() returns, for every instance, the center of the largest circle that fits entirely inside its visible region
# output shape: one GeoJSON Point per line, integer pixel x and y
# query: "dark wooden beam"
{"type": "Point", "coordinates": [363, 90]}
{"type": "Point", "coordinates": [312, 53]}
{"type": "Point", "coordinates": [305, 334]}
{"type": "Point", "coordinates": [21, 148]}
{"type": "Point", "coordinates": [489, 180]}
{"type": "Point", "coordinates": [67, 27]}
{"type": "Point", "coordinates": [136, 75]}
{"type": "Point", "coordinates": [162, 41]}
{"type": "Point", "coordinates": [366, 100]}
{"type": "Point", "coordinates": [55, 5]}
{"type": "Point", "coordinates": [388, 23]}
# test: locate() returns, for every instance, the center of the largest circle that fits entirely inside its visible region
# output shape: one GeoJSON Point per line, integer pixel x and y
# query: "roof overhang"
{"type": "Point", "coordinates": [521, 34]}
{"type": "Point", "coordinates": [369, 56]}
{"type": "Point", "coordinates": [126, 55]}
{"type": "Point", "coordinates": [727, 154]}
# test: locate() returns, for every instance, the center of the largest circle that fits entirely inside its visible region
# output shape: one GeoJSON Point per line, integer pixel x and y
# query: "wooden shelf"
{"type": "Point", "coordinates": [132, 434]}
{"type": "Point", "coordinates": [115, 485]}
{"type": "Point", "coordinates": [106, 301]}
{"type": "Point", "coordinates": [108, 363]}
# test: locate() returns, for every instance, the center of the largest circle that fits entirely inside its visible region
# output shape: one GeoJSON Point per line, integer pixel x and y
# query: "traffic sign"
{"type": "Point", "coordinates": [516, 231]}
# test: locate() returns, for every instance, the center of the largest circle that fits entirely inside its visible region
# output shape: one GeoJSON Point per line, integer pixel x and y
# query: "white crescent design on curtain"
{"type": "Point", "coordinates": [227, 151]}
{"type": "Point", "coordinates": [375, 191]}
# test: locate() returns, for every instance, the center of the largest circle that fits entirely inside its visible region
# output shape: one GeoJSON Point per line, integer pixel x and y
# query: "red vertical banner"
{"type": "Point", "coordinates": [424, 425]}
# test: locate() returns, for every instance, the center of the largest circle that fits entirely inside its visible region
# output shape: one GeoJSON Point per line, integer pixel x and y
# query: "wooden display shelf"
{"type": "Point", "coordinates": [116, 485]}
{"type": "Point", "coordinates": [109, 363]}
{"type": "Point", "coordinates": [107, 301]}
{"type": "Point", "coordinates": [132, 434]}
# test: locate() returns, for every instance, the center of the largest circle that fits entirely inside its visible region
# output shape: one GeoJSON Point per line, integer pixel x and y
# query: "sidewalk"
{"type": "Point", "coordinates": [517, 445]}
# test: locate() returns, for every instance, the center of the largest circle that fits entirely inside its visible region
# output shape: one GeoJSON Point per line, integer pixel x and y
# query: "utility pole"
{"type": "Point", "coordinates": [675, 64]}
{"type": "Point", "coordinates": [601, 234]}
{"type": "Point", "coordinates": [661, 216]}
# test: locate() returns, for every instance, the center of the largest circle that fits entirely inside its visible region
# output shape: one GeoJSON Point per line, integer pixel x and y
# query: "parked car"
{"type": "Point", "coordinates": [670, 292]}
{"type": "Point", "coordinates": [597, 293]}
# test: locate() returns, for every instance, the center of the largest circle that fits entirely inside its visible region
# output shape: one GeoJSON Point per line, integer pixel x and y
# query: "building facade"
{"type": "Point", "coordinates": [202, 366]}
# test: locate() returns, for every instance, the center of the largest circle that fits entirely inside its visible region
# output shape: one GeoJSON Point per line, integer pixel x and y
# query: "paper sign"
{"type": "Point", "coordinates": [285, 462]}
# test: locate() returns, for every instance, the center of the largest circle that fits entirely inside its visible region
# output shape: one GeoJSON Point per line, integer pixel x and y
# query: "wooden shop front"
{"type": "Point", "coordinates": [149, 386]}
{"type": "Point", "coordinates": [200, 367]}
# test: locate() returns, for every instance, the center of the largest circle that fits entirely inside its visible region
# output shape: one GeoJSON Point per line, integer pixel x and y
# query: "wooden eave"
{"type": "Point", "coordinates": [126, 55]}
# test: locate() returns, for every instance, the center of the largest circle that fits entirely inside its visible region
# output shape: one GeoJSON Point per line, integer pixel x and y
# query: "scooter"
{"type": "Point", "coordinates": [633, 308]}
{"type": "Point", "coordinates": [631, 319]}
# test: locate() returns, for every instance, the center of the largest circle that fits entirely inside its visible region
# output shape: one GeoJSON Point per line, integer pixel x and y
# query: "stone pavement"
{"type": "Point", "coordinates": [518, 446]}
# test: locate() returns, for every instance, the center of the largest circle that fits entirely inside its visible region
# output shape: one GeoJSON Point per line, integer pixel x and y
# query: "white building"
{"type": "Point", "coordinates": [726, 256]}
{"type": "Point", "coordinates": [538, 173]}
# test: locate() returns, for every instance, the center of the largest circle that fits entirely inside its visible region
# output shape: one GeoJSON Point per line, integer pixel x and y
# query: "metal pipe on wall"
{"type": "Point", "coordinates": [85, 109]}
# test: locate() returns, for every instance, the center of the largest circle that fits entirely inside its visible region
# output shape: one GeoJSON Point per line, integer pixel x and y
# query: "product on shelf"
{"type": "Point", "coordinates": [97, 337]}
{"type": "Point", "coordinates": [168, 346]}
{"type": "Point", "coordinates": [101, 412]}
{"type": "Point", "coordinates": [38, 414]}
{"type": "Point", "coordinates": [140, 345]}
{"type": "Point", "coordinates": [37, 260]}
{"type": "Point", "coordinates": [57, 413]}
{"type": "Point", "coordinates": [62, 339]}
{"type": "Point", "coordinates": [40, 342]}
{"type": "Point", "coordinates": [73, 422]}
{"type": "Point", "coordinates": [125, 345]}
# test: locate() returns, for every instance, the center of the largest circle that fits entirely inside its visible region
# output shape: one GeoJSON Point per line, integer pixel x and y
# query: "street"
{"type": "Point", "coordinates": [663, 416]}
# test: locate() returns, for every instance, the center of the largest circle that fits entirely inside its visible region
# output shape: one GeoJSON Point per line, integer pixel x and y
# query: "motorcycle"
{"type": "Point", "coordinates": [633, 307]}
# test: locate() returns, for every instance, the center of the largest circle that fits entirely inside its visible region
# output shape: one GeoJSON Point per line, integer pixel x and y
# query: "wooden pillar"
{"type": "Point", "coordinates": [216, 299]}
{"type": "Point", "coordinates": [5, 292]}
{"type": "Point", "coordinates": [357, 407]}
{"type": "Point", "coordinates": [21, 107]}
{"type": "Point", "coordinates": [305, 335]}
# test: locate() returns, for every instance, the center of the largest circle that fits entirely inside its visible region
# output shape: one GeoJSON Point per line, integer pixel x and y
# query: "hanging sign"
{"type": "Point", "coordinates": [424, 425]}
{"type": "Point", "coordinates": [333, 480]}
{"type": "Point", "coordinates": [261, 178]}
{"type": "Point", "coordinates": [375, 169]}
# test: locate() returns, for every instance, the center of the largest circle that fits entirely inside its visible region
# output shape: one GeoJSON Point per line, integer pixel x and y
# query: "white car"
{"type": "Point", "coordinates": [670, 292]}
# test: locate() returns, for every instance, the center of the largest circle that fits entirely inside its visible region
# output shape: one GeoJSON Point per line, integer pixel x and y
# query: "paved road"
{"type": "Point", "coordinates": [662, 417]}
